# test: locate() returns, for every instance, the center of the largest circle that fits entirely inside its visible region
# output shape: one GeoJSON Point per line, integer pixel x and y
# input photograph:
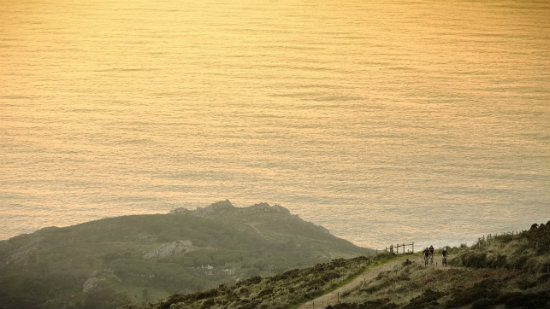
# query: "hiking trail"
{"type": "Point", "coordinates": [333, 297]}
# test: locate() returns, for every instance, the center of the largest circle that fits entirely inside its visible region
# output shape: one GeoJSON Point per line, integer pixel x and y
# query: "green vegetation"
{"type": "Point", "coordinates": [526, 251]}
{"type": "Point", "coordinates": [140, 259]}
{"type": "Point", "coordinates": [506, 271]}
{"type": "Point", "coordinates": [136, 261]}
{"type": "Point", "coordinates": [284, 290]}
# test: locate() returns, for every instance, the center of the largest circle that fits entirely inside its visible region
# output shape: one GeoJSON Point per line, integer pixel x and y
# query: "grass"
{"type": "Point", "coordinates": [507, 271]}
{"type": "Point", "coordinates": [49, 268]}
{"type": "Point", "coordinates": [377, 261]}
{"type": "Point", "coordinates": [285, 290]}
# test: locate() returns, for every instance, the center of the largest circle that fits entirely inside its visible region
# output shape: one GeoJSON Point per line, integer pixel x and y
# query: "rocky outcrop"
{"type": "Point", "coordinates": [91, 283]}
{"type": "Point", "coordinates": [99, 276]}
{"type": "Point", "coordinates": [266, 208]}
{"type": "Point", "coordinates": [226, 206]}
{"type": "Point", "coordinates": [180, 211]}
{"type": "Point", "coordinates": [178, 247]}
{"type": "Point", "coordinates": [216, 208]}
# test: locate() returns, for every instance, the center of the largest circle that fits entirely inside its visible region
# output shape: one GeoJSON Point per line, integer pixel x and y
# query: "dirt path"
{"type": "Point", "coordinates": [369, 274]}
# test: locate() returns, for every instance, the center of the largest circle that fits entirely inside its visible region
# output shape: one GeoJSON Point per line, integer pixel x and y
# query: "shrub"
{"type": "Point", "coordinates": [532, 300]}
{"type": "Point", "coordinates": [253, 280]}
{"type": "Point", "coordinates": [487, 288]}
{"type": "Point", "coordinates": [425, 300]}
{"type": "Point", "coordinates": [330, 275]}
{"type": "Point", "coordinates": [483, 303]}
{"type": "Point", "coordinates": [474, 259]}
{"type": "Point", "coordinates": [172, 299]}
{"type": "Point", "coordinates": [265, 292]}
{"type": "Point", "coordinates": [208, 303]}
{"type": "Point", "coordinates": [377, 303]}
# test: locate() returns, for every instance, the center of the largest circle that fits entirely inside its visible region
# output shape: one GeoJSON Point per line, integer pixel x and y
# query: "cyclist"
{"type": "Point", "coordinates": [431, 254]}
{"type": "Point", "coordinates": [444, 254]}
{"type": "Point", "coordinates": [426, 256]}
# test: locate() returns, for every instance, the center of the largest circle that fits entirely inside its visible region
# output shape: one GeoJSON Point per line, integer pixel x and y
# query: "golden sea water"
{"type": "Point", "coordinates": [384, 121]}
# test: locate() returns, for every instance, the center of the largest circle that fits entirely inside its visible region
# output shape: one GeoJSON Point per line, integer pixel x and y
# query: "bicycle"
{"type": "Point", "coordinates": [431, 252]}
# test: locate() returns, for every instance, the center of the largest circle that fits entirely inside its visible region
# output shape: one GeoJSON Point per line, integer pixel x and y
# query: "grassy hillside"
{"type": "Point", "coordinates": [507, 271]}
{"type": "Point", "coordinates": [138, 259]}
{"type": "Point", "coordinates": [285, 290]}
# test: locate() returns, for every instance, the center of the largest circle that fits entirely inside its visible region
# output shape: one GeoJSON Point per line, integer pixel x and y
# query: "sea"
{"type": "Point", "coordinates": [384, 121]}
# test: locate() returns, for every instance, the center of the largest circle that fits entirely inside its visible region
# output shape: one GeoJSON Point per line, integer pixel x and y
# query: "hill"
{"type": "Point", "coordinates": [285, 290]}
{"type": "Point", "coordinates": [504, 271]}
{"type": "Point", "coordinates": [137, 259]}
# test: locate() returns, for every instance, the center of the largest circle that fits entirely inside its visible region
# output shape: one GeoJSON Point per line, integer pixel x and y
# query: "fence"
{"type": "Point", "coordinates": [395, 249]}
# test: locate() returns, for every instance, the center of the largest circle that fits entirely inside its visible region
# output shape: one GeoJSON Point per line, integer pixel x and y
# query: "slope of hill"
{"type": "Point", "coordinates": [137, 259]}
{"type": "Point", "coordinates": [285, 290]}
{"type": "Point", "coordinates": [506, 271]}
{"type": "Point", "coordinates": [509, 270]}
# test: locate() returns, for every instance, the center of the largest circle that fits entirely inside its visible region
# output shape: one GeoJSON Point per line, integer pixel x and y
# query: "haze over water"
{"type": "Point", "coordinates": [384, 121]}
